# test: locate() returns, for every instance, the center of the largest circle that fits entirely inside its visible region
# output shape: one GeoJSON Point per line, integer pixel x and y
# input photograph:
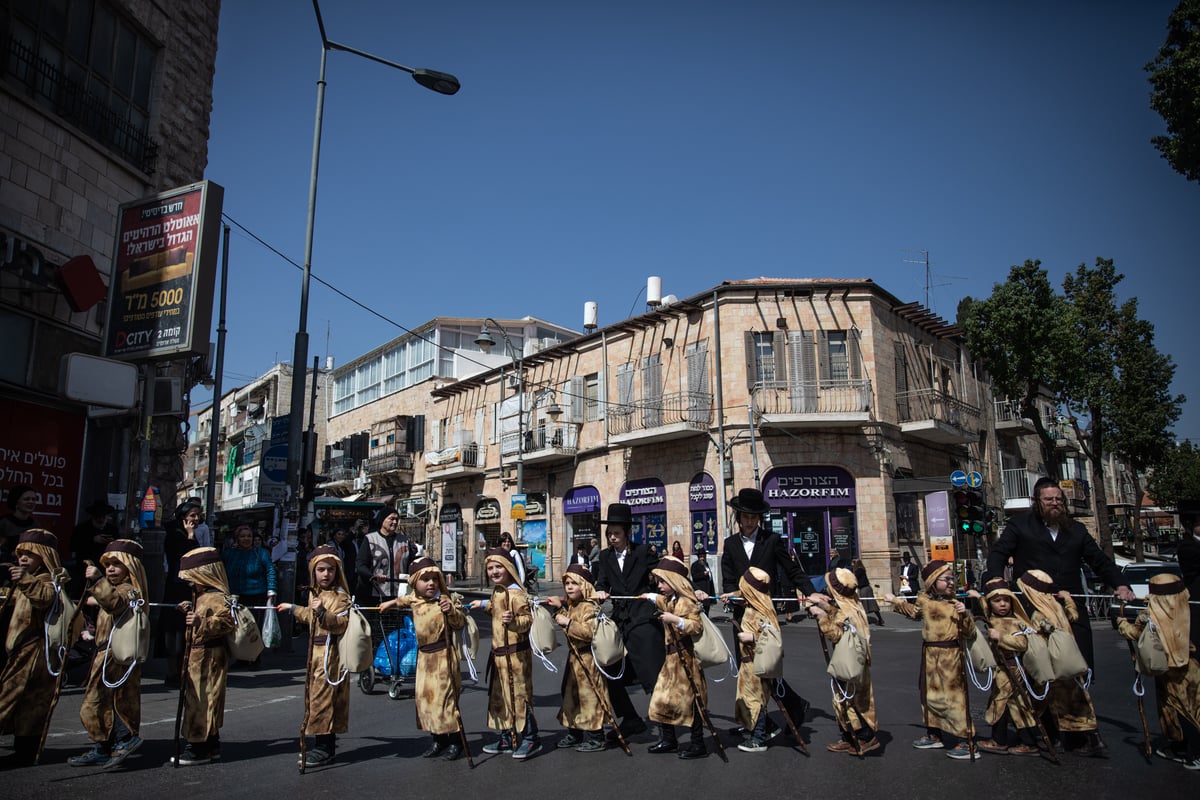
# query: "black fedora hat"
{"type": "Point", "coordinates": [749, 501]}
{"type": "Point", "coordinates": [618, 514]}
{"type": "Point", "coordinates": [100, 507]}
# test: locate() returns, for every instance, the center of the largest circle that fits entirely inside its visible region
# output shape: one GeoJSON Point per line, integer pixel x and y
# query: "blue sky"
{"type": "Point", "coordinates": [595, 144]}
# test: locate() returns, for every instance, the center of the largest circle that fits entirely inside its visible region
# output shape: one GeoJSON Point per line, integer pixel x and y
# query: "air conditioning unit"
{"type": "Point", "coordinates": [360, 483]}
{"type": "Point", "coordinates": [168, 397]}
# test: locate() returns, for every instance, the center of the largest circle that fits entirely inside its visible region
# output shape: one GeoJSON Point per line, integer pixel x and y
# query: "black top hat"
{"type": "Point", "coordinates": [749, 501]}
{"type": "Point", "coordinates": [618, 514]}
{"type": "Point", "coordinates": [98, 508]}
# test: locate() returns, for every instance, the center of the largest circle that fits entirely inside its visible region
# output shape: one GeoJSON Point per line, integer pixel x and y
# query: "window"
{"type": "Point", "coordinates": [592, 407]}
{"type": "Point", "coordinates": [88, 64]}
{"type": "Point", "coordinates": [762, 357]}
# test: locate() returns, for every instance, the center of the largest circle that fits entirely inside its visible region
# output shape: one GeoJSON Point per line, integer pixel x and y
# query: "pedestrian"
{"type": "Point", "coordinates": [702, 580]}
{"type": "Point", "coordinates": [328, 692]}
{"type": "Point", "coordinates": [112, 704]}
{"type": "Point", "coordinates": [204, 534]}
{"type": "Point", "coordinates": [180, 538]}
{"type": "Point", "coordinates": [944, 624]}
{"type": "Point", "coordinates": [855, 709]}
{"type": "Point", "coordinates": [439, 680]}
{"type": "Point", "coordinates": [910, 576]}
{"type": "Point", "coordinates": [382, 557]}
{"type": "Point", "coordinates": [205, 668]}
{"type": "Point", "coordinates": [681, 690]}
{"type": "Point", "coordinates": [582, 710]}
{"type": "Point", "coordinates": [28, 690]}
{"type": "Point", "coordinates": [754, 692]}
{"type": "Point", "coordinates": [866, 592]}
{"type": "Point", "coordinates": [22, 502]}
{"type": "Point", "coordinates": [93, 534]}
{"type": "Point", "coordinates": [1070, 704]}
{"type": "Point", "coordinates": [677, 551]}
{"type": "Point", "coordinates": [510, 693]}
{"type": "Point", "coordinates": [623, 569]}
{"type": "Point", "coordinates": [1007, 626]}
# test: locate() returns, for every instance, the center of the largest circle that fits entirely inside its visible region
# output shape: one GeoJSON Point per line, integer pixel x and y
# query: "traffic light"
{"type": "Point", "coordinates": [312, 485]}
{"type": "Point", "coordinates": [969, 511]}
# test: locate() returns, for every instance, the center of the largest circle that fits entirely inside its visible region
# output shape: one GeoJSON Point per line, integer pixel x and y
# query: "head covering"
{"type": "Point", "coordinates": [755, 588]}
{"type": "Point", "coordinates": [383, 514]}
{"type": "Point", "coordinates": [422, 568]}
{"type": "Point", "coordinates": [619, 514]}
{"type": "Point", "coordinates": [675, 573]}
{"type": "Point", "coordinates": [14, 495]}
{"type": "Point", "coordinates": [583, 576]}
{"type": "Point", "coordinates": [43, 544]}
{"type": "Point", "coordinates": [202, 566]}
{"type": "Point", "coordinates": [128, 554]}
{"type": "Point", "coordinates": [99, 508]}
{"type": "Point", "coordinates": [1169, 610]}
{"type": "Point", "coordinates": [185, 508]}
{"type": "Point", "coordinates": [750, 501]}
{"type": "Point", "coordinates": [327, 553]}
{"type": "Point", "coordinates": [843, 585]}
{"type": "Point", "coordinates": [998, 587]}
{"type": "Point", "coordinates": [499, 555]}
{"type": "Point", "coordinates": [930, 573]}
{"type": "Point", "coordinates": [1039, 591]}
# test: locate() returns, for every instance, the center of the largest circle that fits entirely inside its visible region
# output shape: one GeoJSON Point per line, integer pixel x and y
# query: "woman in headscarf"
{"type": "Point", "coordinates": [28, 691]}
{"type": "Point", "coordinates": [855, 715]}
{"type": "Point", "coordinates": [1007, 624]}
{"type": "Point", "coordinates": [1178, 689]}
{"type": "Point", "coordinates": [582, 710]}
{"type": "Point", "coordinates": [945, 624]}
{"type": "Point", "coordinates": [753, 692]}
{"type": "Point", "coordinates": [328, 691]}
{"type": "Point", "coordinates": [210, 620]}
{"type": "Point", "coordinates": [677, 697]}
{"type": "Point", "coordinates": [112, 715]}
{"type": "Point", "coordinates": [1069, 702]}
{"type": "Point", "coordinates": [439, 680]}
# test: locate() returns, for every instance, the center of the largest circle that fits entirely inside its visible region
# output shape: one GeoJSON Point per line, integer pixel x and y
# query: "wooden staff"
{"type": "Point", "coordinates": [187, 657]}
{"type": "Point", "coordinates": [512, 684]}
{"type": "Point", "coordinates": [1146, 748]}
{"type": "Point", "coordinates": [782, 709]}
{"type": "Point", "coordinates": [1019, 686]}
{"type": "Point", "coordinates": [312, 627]}
{"type": "Point", "coordinates": [843, 703]}
{"type": "Point", "coordinates": [601, 696]}
{"type": "Point", "coordinates": [687, 671]}
{"type": "Point", "coordinates": [462, 731]}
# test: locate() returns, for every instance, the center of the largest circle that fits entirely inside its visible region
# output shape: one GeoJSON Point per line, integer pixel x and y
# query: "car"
{"type": "Point", "coordinates": [1137, 575]}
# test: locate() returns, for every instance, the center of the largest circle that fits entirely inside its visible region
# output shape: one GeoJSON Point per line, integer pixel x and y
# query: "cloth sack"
{"type": "Point", "coordinates": [543, 635]}
{"type": "Point", "coordinates": [768, 652]}
{"type": "Point", "coordinates": [849, 656]}
{"type": "Point", "coordinates": [710, 648]}
{"type": "Point", "coordinates": [1036, 661]}
{"type": "Point", "coordinates": [607, 645]}
{"type": "Point", "coordinates": [130, 638]}
{"type": "Point", "coordinates": [63, 627]}
{"type": "Point", "coordinates": [1151, 656]}
{"type": "Point", "coordinates": [245, 643]}
{"type": "Point", "coordinates": [981, 655]}
{"type": "Point", "coordinates": [1065, 657]}
{"type": "Point", "coordinates": [354, 646]}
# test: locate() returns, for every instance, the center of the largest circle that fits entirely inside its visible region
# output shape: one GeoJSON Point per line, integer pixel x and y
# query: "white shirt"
{"type": "Point", "coordinates": [621, 558]}
{"type": "Point", "coordinates": [748, 543]}
{"type": "Point", "coordinates": [1053, 533]}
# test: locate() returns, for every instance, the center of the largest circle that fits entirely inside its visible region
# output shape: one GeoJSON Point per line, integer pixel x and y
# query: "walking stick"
{"type": "Point", "coordinates": [846, 729]}
{"type": "Point", "coordinates": [512, 686]}
{"type": "Point", "coordinates": [187, 656]}
{"type": "Point", "coordinates": [602, 697]}
{"type": "Point", "coordinates": [967, 692]}
{"type": "Point", "coordinates": [782, 709]}
{"type": "Point", "coordinates": [462, 731]}
{"type": "Point", "coordinates": [1019, 686]}
{"type": "Point", "coordinates": [687, 671]}
{"type": "Point", "coordinates": [1147, 750]}
{"type": "Point", "coordinates": [312, 626]}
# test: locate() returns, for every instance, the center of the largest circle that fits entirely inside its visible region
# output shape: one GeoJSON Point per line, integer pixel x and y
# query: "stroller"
{"type": "Point", "coordinates": [395, 653]}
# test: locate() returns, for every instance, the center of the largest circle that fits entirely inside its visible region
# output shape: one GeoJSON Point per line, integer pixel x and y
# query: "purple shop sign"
{"type": "Point", "coordinates": [798, 487]}
{"type": "Point", "coordinates": [702, 493]}
{"type": "Point", "coordinates": [645, 495]}
{"type": "Point", "coordinates": [937, 512]}
{"type": "Point", "coordinates": [582, 500]}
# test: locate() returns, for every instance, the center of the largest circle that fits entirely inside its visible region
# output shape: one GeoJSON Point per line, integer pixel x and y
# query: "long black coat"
{"type": "Point", "coordinates": [770, 555]}
{"type": "Point", "coordinates": [639, 628]}
{"type": "Point", "coordinates": [1028, 541]}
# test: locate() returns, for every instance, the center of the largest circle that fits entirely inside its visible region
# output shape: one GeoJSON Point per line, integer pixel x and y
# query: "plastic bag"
{"type": "Point", "coordinates": [272, 634]}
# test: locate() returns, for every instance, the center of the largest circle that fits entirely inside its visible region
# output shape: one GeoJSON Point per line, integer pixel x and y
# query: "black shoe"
{"type": "Point", "coordinates": [632, 726]}
{"type": "Point", "coordinates": [663, 746]}
{"type": "Point", "coordinates": [694, 750]}
{"type": "Point", "coordinates": [453, 751]}
{"type": "Point", "coordinates": [435, 750]}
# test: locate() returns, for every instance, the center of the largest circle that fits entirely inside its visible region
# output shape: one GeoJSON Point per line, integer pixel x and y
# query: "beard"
{"type": "Point", "coordinates": [1057, 517]}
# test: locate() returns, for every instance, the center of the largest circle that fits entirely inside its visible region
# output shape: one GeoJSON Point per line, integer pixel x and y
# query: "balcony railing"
{"type": "Point", "coordinates": [691, 410]}
{"type": "Point", "coordinates": [560, 437]}
{"type": "Point", "coordinates": [923, 404]}
{"type": "Point", "coordinates": [1018, 483]}
{"type": "Point", "coordinates": [385, 459]}
{"type": "Point", "coordinates": [830, 398]}
{"type": "Point", "coordinates": [459, 457]}
{"type": "Point", "coordinates": [342, 473]}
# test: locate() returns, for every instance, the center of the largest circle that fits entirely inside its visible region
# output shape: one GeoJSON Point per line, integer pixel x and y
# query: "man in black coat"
{"type": "Point", "coordinates": [623, 569]}
{"type": "Point", "coordinates": [1189, 563]}
{"type": "Point", "coordinates": [1046, 538]}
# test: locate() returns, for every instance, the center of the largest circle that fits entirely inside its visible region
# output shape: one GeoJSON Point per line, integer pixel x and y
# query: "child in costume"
{"type": "Point", "coordinates": [209, 620]}
{"type": "Point", "coordinates": [112, 715]}
{"type": "Point", "coordinates": [753, 692]}
{"type": "Point", "coordinates": [855, 715]}
{"type": "Point", "coordinates": [681, 689]}
{"type": "Point", "coordinates": [1070, 703]}
{"type": "Point", "coordinates": [1178, 689]}
{"type": "Point", "coordinates": [439, 679]}
{"type": "Point", "coordinates": [510, 692]}
{"type": "Point", "coordinates": [28, 690]}
{"type": "Point", "coordinates": [582, 710]}
{"type": "Point", "coordinates": [945, 624]}
{"type": "Point", "coordinates": [326, 617]}
{"type": "Point", "coordinates": [1007, 621]}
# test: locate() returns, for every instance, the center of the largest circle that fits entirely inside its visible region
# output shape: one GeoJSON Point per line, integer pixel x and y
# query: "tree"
{"type": "Point", "coordinates": [1022, 336]}
{"type": "Point", "coordinates": [1176, 480]}
{"type": "Point", "coordinates": [1175, 78]}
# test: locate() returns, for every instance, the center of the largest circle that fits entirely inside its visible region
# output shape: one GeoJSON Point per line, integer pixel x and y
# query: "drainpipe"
{"type": "Point", "coordinates": [722, 510]}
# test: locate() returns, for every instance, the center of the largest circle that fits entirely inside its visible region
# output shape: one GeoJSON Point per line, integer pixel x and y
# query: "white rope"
{"type": "Point", "coordinates": [840, 694]}
{"type": "Point", "coordinates": [62, 648]}
{"type": "Point", "coordinates": [537, 650]}
{"type": "Point", "coordinates": [135, 604]}
{"type": "Point", "coordinates": [1021, 669]}
{"type": "Point", "coordinates": [1139, 688]}
{"type": "Point", "coordinates": [971, 670]}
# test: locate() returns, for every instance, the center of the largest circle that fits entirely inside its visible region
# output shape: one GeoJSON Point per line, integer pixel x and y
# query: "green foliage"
{"type": "Point", "coordinates": [1176, 480]}
{"type": "Point", "coordinates": [1175, 78]}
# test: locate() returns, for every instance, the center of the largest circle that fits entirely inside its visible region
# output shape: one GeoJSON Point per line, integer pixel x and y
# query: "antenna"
{"type": "Point", "coordinates": [929, 274]}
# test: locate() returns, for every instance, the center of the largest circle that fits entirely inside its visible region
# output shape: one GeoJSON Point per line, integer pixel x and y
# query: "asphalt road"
{"type": "Point", "coordinates": [379, 757]}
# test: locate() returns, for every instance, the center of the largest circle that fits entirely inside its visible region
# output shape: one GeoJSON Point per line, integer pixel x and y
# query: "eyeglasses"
{"type": "Point", "coordinates": [1052, 501]}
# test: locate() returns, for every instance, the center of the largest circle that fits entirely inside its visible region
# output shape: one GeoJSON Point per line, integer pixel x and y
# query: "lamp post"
{"type": "Point", "coordinates": [440, 82]}
{"type": "Point", "coordinates": [485, 342]}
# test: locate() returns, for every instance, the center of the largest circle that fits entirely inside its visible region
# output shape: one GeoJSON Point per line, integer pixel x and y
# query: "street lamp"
{"type": "Point", "coordinates": [440, 82]}
{"type": "Point", "coordinates": [485, 341]}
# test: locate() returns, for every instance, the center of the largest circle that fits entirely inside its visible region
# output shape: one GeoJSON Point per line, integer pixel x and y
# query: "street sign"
{"type": "Point", "coordinates": [959, 478]}
{"type": "Point", "coordinates": [974, 480]}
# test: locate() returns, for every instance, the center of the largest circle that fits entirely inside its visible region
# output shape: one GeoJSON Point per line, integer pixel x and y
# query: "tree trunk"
{"type": "Point", "coordinates": [1095, 455]}
{"type": "Point", "coordinates": [1139, 542]}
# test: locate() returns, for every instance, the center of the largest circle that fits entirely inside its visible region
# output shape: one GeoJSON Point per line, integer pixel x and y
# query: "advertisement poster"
{"type": "Point", "coordinates": [43, 448]}
{"type": "Point", "coordinates": [449, 547]}
{"type": "Point", "coordinates": [160, 299]}
{"type": "Point", "coordinates": [534, 535]}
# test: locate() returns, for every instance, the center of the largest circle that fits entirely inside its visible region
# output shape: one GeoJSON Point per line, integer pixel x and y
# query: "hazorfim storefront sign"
{"type": "Point", "coordinates": [160, 300]}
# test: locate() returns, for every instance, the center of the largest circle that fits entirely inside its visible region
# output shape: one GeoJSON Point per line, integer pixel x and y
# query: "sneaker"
{"type": "Point", "coordinates": [1170, 754]}
{"type": "Point", "coordinates": [1191, 763]}
{"type": "Point", "coordinates": [192, 755]}
{"type": "Point", "coordinates": [961, 751]}
{"type": "Point", "coordinates": [568, 741]}
{"type": "Point", "coordinates": [92, 758]}
{"type": "Point", "coordinates": [501, 745]}
{"type": "Point", "coordinates": [928, 743]}
{"type": "Point", "coordinates": [124, 750]}
{"type": "Point", "coordinates": [316, 756]}
{"type": "Point", "coordinates": [527, 748]}
{"type": "Point", "coordinates": [752, 745]}
{"type": "Point", "coordinates": [592, 745]}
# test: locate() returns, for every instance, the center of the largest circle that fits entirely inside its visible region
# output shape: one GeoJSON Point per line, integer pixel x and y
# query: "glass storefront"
{"type": "Point", "coordinates": [648, 499]}
{"type": "Point", "coordinates": [813, 508]}
{"type": "Point", "coordinates": [702, 506]}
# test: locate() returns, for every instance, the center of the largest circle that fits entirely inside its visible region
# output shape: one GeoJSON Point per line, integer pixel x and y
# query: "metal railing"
{"type": "Point", "coordinates": [693, 409]}
{"type": "Point", "coordinates": [391, 459]}
{"type": "Point", "coordinates": [813, 397]}
{"type": "Point", "coordinates": [1008, 411]}
{"type": "Point", "coordinates": [468, 455]}
{"type": "Point", "coordinates": [560, 436]}
{"type": "Point", "coordinates": [1018, 483]}
{"type": "Point", "coordinates": [933, 404]}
